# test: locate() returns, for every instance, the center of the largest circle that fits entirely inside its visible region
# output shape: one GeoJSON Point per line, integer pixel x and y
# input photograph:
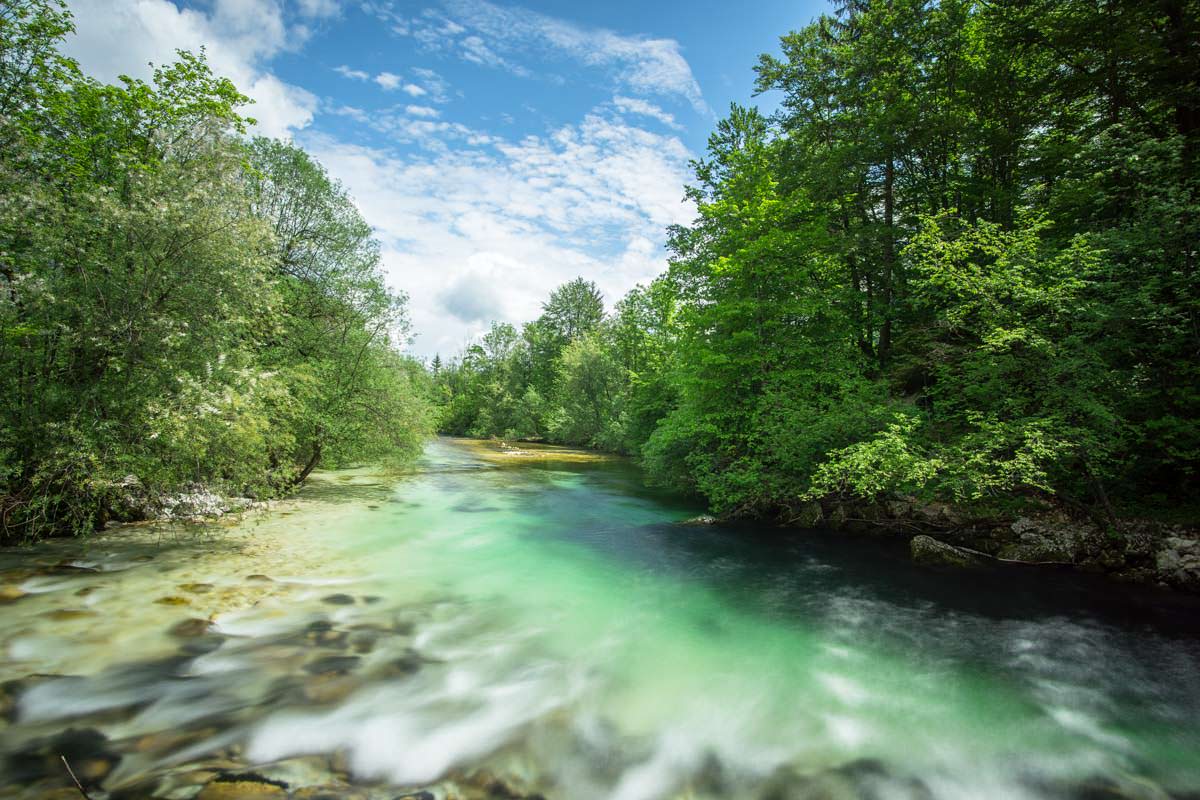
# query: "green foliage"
{"type": "Point", "coordinates": [959, 263]}
{"type": "Point", "coordinates": [164, 313]}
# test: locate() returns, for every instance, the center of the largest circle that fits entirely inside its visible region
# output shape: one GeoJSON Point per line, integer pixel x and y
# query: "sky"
{"type": "Point", "coordinates": [498, 149]}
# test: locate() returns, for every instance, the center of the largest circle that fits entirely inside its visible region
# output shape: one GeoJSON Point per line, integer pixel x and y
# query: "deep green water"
{"type": "Point", "coordinates": [570, 629]}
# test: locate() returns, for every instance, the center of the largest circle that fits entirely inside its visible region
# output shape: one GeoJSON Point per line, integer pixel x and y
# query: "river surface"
{"type": "Point", "coordinates": [501, 625]}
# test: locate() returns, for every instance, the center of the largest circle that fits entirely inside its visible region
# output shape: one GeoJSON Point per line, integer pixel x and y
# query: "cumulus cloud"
{"type": "Point", "coordinates": [485, 231]}
{"type": "Point", "coordinates": [115, 37]}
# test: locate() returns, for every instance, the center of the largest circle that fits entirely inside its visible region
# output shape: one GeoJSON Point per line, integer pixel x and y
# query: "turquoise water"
{"type": "Point", "coordinates": [557, 622]}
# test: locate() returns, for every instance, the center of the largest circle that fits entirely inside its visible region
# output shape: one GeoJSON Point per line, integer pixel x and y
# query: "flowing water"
{"type": "Point", "coordinates": [546, 620]}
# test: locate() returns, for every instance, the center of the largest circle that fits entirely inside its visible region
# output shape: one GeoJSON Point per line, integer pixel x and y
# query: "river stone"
{"type": "Point", "coordinates": [932, 552]}
{"type": "Point", "coordinates": [861, 779]}
{"type": "Point", "coordinates": [67, 614]}
{"type": "Point", "coordinates": [85, 749]}
{"type": "Point", "coordinates": [332, 664]}
{"type": "Point", "coordinates": [329, 687]}
{"type": "Point", "coordinates": [196, 588]}
{"type": "Point", "coordinates": [11, 594]}
{"type": "Point", "coordinates": [257, 578]}
{"type": "Point", "coordinates": [338, 600]}
{"type": "Point", "coordinates": [60, 793]}
{"type": "Point", "coordinates": [173, 600]}
{"type": "Point", "coordinates": [246, 786]}
{"type": "Point", "coordinates": [363, 641]}
{"type": "Point", "coordinates": [189, 628]}
{"type": "Point", "coordinates": [330, 793]}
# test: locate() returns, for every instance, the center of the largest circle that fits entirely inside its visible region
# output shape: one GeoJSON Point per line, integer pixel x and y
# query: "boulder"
{"type": "Point", "coordinates": [933, 552]}
{"type": "Point", "coordinates": [1178, 562]}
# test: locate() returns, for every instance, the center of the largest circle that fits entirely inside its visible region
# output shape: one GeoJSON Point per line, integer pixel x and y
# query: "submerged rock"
{"type": "Point", "coordinates": [190, 628]}
{"type": "Point", "coordinates": [338, 600]}
{"type": "Point", "coordinates": [243, 786]}
{"type": "Point", "coordinates": [11, 594]}
{"type": "Point", "coordinates": [330, 793]}
{"type": "Point", "coordinates": [933, 552]}
{"type": "Point", "coordinates": [68, 614]}
{"type": "Point", "coordinates": [333, 664]}
{"type": "Point", "coordinates": [85, 749]}
{"type": "Point", "coordinates": [861, 779]}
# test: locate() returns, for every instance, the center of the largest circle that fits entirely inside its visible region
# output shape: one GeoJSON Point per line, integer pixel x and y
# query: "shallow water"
{"type": "Point", "coordinates": [550, 620]}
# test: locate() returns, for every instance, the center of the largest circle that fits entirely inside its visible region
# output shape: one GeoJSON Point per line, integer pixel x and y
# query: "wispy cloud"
{"type": "Point", "coordinates": [634, 105]}
{"type": "Point", "coordinates": [319, 9]}
{"type": "Point", "coordinates": [497, 36]}
{"type": "Point", "coordinates": [434, 87]}
{"type": "Point", "coordinates": [352, 74]}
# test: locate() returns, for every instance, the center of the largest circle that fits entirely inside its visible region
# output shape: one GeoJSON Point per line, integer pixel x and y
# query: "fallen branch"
{"type": "Point", "coordinates": [78, 785]}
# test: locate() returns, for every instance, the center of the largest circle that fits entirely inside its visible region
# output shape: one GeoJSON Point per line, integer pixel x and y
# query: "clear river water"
{"type": "Point", "coordinates": [499, 624]}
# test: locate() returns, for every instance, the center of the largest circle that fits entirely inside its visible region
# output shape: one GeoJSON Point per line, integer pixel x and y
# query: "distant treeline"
{"type": "Point", "coordinates": [960, 262]}
{"type": "Point", "coordinates": [179, 303]}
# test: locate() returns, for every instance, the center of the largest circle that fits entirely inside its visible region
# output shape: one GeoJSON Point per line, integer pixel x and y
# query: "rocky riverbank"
{"type": "Point", "coordinates": [1140, 551]}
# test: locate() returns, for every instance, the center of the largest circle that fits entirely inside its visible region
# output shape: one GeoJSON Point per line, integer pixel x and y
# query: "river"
{"type": "Point", "coordinates": [499, 624]}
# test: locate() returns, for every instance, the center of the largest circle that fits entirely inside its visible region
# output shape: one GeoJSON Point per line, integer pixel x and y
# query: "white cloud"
{"type": "Point", "coordinates": [352, 74]}
{"type": "Point", "coordinates": [318, 9]}
{"type": "Point", "coordinates": [641, 64]}
{"type": "Point", "coordinates": [422, 111]}
{"type": "Point", "coordinates": [487, 229]}
{"type": "Point", "coordinates": [115, 37]}
{"type": "Point", "coordinates": [356, 114]}
{"type": "Point", "coordinates": [389, 81]}
{"type": "Point", "coordinates": [633, 105]}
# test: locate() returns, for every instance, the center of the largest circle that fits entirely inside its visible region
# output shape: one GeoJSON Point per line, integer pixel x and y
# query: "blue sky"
{"type": "Point", "coordinates": [497, 148]}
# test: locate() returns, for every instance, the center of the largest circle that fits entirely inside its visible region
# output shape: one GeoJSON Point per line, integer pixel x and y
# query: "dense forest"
{"type": "Point", "coordinates": [958, 263]}
{"type": "Point", "coordinates": [180, 303]}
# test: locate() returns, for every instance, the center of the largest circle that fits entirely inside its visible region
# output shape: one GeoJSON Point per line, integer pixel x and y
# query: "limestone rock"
{"type": "Point", "coordinates": [932, 552]}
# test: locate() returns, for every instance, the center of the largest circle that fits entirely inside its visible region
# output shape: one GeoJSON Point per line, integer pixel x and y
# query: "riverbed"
{"type": "Point", "coordinates": [532, 621]}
